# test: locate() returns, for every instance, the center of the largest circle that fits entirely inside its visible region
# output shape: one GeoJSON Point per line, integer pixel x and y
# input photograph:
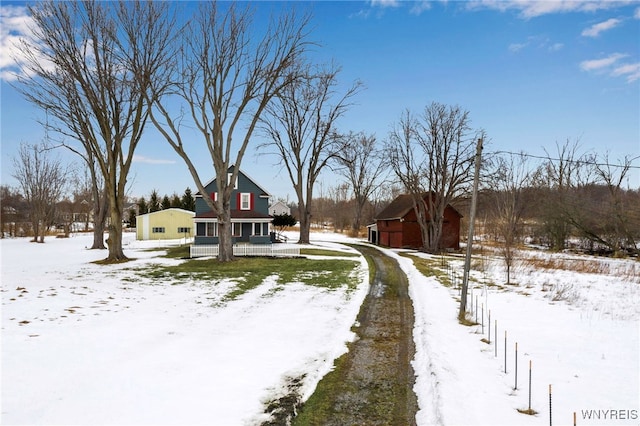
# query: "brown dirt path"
{"type": "Point", "coordinates": [372, 384]}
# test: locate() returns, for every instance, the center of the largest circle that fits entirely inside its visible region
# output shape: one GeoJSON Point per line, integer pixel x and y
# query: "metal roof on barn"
{"type": "Point", "coordinates": [399, 208]}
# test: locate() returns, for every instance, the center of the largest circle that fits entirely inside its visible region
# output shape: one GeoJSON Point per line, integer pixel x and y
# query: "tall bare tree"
{"type": "Point", "coordinates": [364, 166]}
{"type": "Point", "coordinates": [301, 128]}
{"type": "Point", "coordinates": [90, 70]}
{"type": "Point", "coordinates": [43, 180]}
{"type": "Point", "coordinates": [228, 74]}
{"type": "Point", "coordinates": [432, 155]}
{"type": "Point", "coordinates": [508, 181]}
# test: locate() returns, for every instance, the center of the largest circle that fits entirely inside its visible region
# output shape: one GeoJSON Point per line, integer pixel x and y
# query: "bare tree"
{"type": "Point", "coordinates": [90, 70]}
{"type": "Point", "coordinates": [91, 190]}
{"type": "Point", "coordinates": [364, 166]}
{"type": "Point", "coordinates": [42, 180]}
{"type": "Point", "coordinates": [433, 155]}
{"type": "Point", "coordinates": [228, 75]}
{"type": "Point", "coordinates": [623, 228]}
{"type": "Point", "coordinates": [301, 128]}
{"type": "Point", "coordinates": [508, 181]}
{"type": "Point", "coordinates": [562, 208]}
{"type": "Point", "coordinates": [340, 206]}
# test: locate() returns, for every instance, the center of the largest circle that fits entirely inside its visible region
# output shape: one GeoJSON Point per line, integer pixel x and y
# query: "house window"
{"type": "Point", "coordinates": [212, 229]}
{"type": "Point", "coordinates": [257, 229]}
{"type": "Point", "coordinates": [183, 230]}
{"type": "Point", "coordinates": [245, 201]}
{"type": "Point", "coordinates": [158, 230]}
{"type": "Point", "coordinates": [236, 229]}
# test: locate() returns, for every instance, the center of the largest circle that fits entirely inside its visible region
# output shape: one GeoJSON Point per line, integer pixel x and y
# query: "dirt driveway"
{"type": "Point", "coordinates": [372, 384]}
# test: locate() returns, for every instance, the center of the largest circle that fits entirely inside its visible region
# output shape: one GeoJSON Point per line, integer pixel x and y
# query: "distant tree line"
{"type": "Point", "coordinates": [567, 200]}
{"type": "Point", "coordinates": [53, 196]}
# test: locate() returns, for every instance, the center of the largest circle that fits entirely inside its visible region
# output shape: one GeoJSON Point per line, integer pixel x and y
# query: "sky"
{"type": "Point", "coordinates": [532, 74]}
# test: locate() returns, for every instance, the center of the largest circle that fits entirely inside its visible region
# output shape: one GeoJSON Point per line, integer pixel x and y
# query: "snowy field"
{"type": "Point", "coordinates": [89, 344]}
{"type": "Point", "coordinates": [580, 331]}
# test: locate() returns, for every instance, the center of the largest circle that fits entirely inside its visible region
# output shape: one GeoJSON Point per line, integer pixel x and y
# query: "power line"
{"type": "Point", "coordinates": [592, 163]}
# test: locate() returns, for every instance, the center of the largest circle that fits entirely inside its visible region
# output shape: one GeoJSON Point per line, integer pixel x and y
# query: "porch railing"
{"type": "Point", "coordinates": [267, 250]}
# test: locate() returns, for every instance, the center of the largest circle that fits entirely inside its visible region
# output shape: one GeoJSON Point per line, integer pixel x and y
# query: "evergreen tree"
{"type": "Point", "coordinates": [188, 202]}
{"type": "Point", "coordinates": [143, 207]}
{"type": "Point", "coordinates": [283, 221]}
{"type": "Point", "coordinates": [166, 203]}
{"type": "Point", "coordinates": [176, 202]}
{"type": "Point", "coordinates": [154, 202]}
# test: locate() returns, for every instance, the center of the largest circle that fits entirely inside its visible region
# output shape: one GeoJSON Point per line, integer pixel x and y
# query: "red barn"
{"type": "Point", "coordinates": [397, 226]}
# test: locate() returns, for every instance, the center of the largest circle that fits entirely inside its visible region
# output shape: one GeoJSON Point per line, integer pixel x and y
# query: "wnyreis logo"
{"type": "Point", "coordinates": [610, 416]}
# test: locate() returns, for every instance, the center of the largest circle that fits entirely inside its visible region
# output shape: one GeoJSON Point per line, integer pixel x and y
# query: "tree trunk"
{"type": "Point", "coordinates": [421, 211]}
{"type": "Point", "coordinates": [357, 221]}
{"type": "Point", "coordinates": [98, 236]}
{"type": "Point", "coordinates": [116, 254]}
{"type": "Point", "coordinates": [36, 232]}
{"type": "Point", "coordinates": [99, 218]}
{"type": "Point", "coordinates": [305, 225]}
{"type": "Point", "coordinates": [114, 242]}
{"type": "Point", "coordinates": [225, 227]}
{"type": "Point", "coordinates": [435, 234]}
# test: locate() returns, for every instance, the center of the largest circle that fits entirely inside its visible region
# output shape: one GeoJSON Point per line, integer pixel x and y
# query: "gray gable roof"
{"type": "Point", "coordinates": [265, 193]}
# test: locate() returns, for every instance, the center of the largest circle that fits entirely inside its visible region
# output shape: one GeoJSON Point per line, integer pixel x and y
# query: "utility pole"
{"type": "Point", "coordinates": [472, 218]}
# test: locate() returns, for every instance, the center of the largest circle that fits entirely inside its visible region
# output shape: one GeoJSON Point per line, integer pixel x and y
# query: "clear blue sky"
{"type": "Point", "coordinates": [531, 74]}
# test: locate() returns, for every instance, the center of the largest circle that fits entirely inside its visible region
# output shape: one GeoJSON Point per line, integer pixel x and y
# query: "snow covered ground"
{"type": "Point", "coordinates": [89, 344]}
{"type": "Point", "coordinates": [579, 331]}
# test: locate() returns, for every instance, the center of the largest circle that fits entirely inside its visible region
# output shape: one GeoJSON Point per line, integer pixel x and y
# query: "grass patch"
{"type": "Point", "coordinates": [585, 265]}
{"type": "Point", "coordinates": [178, 252]}
{"type": "Point", "coordinates": [328, 401]}
{"type": "Point", "coordinates": [326, 252]}
{"type": "Point", "coordinates": [430, 268]}
{"type": "Point", "coordinates": [250, 272]}
{"type": "Point", "coordinates": [319, 406]}
{"type": "Point", "coordinates": [391, 277]}
{"type": "Point", "coordinates": [112, 262]}
{"type": "Point", "coordinates": [433, 268]}
{"type": "Point", "coordinates": [467, 322]}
